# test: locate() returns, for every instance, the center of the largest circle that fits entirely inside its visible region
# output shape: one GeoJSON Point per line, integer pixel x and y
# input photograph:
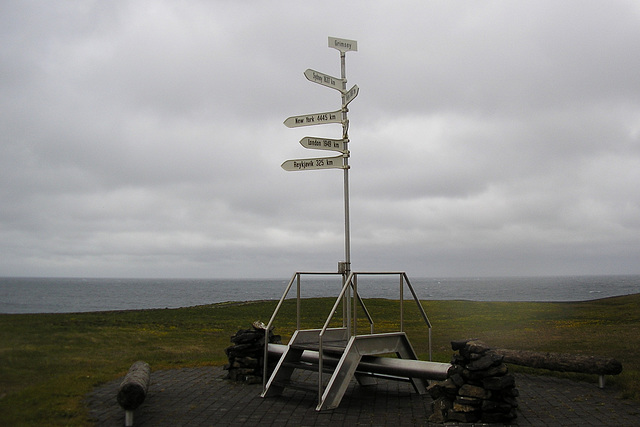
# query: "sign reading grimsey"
{"type": "Point", "coordinates": [343, 45]}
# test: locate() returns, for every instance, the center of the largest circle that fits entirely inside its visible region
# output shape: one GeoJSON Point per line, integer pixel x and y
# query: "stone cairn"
{"type": "Point", "coordinates": [247, 353]}
{"type": "Point", "coordinates": [478, 388]}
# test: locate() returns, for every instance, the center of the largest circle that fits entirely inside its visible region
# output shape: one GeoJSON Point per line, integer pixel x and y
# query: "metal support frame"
{"type": "Point", "coordinates": [318, 338]}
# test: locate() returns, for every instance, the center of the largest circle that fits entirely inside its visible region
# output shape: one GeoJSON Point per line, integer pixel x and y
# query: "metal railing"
{"type": "Point", "coordinates": [295, 278]}
{"type": "Point", "coordinates": [352, 282]}
{"type": "Point", "coordinates": [349, 306]}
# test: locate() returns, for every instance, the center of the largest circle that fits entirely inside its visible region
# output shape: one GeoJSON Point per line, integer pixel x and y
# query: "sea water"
{"type": "Point", "coordinates": [64, 295]}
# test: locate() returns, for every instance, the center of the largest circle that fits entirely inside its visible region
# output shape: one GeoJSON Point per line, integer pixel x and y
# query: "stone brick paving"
{"type": "Point", "coordinates": [202, 397]}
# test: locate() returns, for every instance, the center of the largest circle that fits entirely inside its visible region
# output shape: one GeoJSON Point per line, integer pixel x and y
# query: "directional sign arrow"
{"type": "Point", "coordinates": [324, 143]}
{"type": "Point", "coordinates": [314, 119]}
{"type": "Point", "coordinates": [313, 164]}
{"type": "Point", "coordinates": [351, 94]}
{"type": "Point", "coordinates": [324, 79]}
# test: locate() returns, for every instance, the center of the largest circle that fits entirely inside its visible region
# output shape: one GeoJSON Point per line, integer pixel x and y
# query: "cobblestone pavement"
{"type": "Point", "coordinates": [202, 397]}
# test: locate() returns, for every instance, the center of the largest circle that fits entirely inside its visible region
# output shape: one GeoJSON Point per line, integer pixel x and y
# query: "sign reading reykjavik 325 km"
{"type": "Point", "coordinates": [311, 164]}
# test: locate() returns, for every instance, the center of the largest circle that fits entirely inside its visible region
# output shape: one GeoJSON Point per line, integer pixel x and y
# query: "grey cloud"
{"type": "Point", "coordinates": [488, 138]}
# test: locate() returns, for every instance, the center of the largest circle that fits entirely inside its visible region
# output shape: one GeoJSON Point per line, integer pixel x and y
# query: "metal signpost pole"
{"type": "Point", "coordinates": [344, 46]}
{"type": "Point", "coordinates": [345, 137]}
{"type": "Point", "coordinates": [340, 145]}
{"type": "Point", "coordinates": [347, 229]}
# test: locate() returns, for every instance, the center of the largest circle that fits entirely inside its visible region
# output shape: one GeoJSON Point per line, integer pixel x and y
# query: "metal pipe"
{"type": "Point", "coordinates": [320, 363]}
{"type": "Point", "coordinates": [345, 136]}
{"type": "Point", "coordinates": [401, 304]}
{"type": "Point", "coordinates": [355, 310]}
{"type": "Point", "coordinates": [417, 300]}
{"type": "Point", "coordinates": [298, 301]}
{"type": "Point", "coordinates": [366, 311]}
{"type": "Point", "coordinates": [422, 312]}
{"type": "Point", "coordinates": [430, 353]}
{"type": "Point", "coordinates": [345, 166]}
{"type": "Point", "coordinates": [268, 327]}
{"type": "Point", "coordinates": [407, 368]}
{"type": "Point", "coordinates": [322, 332]}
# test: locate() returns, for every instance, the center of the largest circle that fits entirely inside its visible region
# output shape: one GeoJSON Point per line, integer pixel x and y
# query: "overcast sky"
{"type": "Point", "coordinates": [489, 138]}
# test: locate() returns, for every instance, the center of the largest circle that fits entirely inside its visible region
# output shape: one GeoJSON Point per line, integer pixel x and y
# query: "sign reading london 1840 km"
{"type": "Point", "coordinates": [324, 143]}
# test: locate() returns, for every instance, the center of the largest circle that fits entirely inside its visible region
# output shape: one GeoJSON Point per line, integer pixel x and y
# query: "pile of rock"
{"type": "Point", "coordinates": [478, 387]}
{"type": "Point", "coordinates": [247, 353]}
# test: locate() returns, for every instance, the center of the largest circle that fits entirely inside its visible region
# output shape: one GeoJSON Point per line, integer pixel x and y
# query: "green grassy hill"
{"type": "Point", "coordinates": [49, 362]}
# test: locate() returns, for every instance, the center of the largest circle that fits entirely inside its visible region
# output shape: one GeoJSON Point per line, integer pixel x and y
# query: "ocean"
{"type": "Point", "coordinates": [68, 295]}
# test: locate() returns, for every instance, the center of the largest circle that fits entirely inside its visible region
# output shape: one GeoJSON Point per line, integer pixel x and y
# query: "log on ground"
{"type": "Point", "coordinates": [134, 387]}
{"type": "Point", "coordinates": [562, 362]}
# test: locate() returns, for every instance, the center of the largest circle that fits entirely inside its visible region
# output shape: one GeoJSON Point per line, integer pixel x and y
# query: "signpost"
{"type": "Point", "coordinates": [310, 164]}
{"type": "Point", "coordinates": [343, 45]}
{"type": "Point", "coordinates": [324, 144]}
{"type": "Point", "coordinates": [323, 79]}
{"type": "Point", "coordinates": [339, 145]}
{"type": "Point", "coordinates": [351, 94]}
{"type": "Point", "coordinates": [314, 119]}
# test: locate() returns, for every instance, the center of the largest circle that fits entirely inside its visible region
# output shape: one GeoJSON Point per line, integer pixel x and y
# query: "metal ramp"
{"type": "Point", "coordinates": [340, 351]}
{"type": "Point", "coordinates": [291, 359]}
{"type": "Point", "coordinates": [350, 353]}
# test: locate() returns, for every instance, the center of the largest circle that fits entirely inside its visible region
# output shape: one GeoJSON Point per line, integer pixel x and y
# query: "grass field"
{"type": "Point", "coordinates": [49, 362]}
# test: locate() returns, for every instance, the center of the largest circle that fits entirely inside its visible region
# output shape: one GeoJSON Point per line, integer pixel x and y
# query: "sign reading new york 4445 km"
{"type": "Point", "coordinates": [338, 116]}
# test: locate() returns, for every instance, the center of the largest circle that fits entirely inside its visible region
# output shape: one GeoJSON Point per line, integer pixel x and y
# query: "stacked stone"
{"type": "Point", "coordinates": [247, 353]}
{"type": "Point", "coordinates": [478, 387]}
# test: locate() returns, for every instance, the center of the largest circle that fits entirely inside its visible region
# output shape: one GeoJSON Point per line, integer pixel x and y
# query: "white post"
{"type": "Point", "coordinates": [347, 229]}
{"type": "Point", "coordinates": [128, 418]}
